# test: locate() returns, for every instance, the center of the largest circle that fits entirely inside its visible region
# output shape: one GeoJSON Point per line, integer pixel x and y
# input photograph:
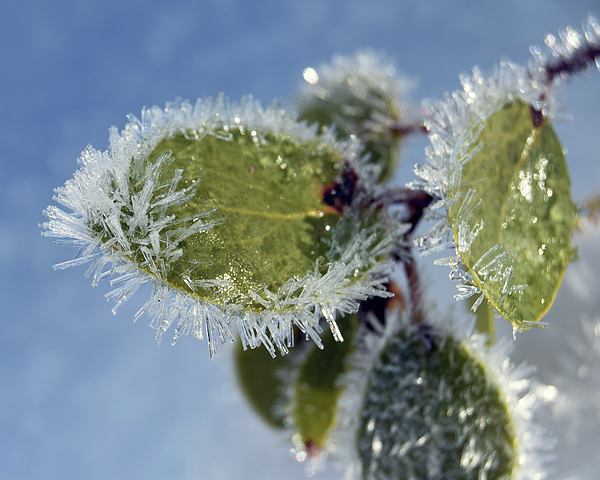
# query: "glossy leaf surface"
{"type": "Point", "coordinates": [515, 201]}
{"type": "Point", "coordinates": [268, 196]}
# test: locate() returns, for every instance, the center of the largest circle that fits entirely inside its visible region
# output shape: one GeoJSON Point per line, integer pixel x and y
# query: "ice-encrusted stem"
{"type": "Point", "coordinates": [570, 53]}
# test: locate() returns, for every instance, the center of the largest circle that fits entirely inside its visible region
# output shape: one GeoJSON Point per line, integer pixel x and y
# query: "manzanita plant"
{"type": "Point", "coordinates": [278, 228]}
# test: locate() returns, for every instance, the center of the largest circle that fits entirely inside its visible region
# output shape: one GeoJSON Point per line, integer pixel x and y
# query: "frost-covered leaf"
{"type": "Point", "coordinates": [433, 410]}
{"type": "Point", "coordinates": [269, 198]}
{"type": "Point", "coordinates": [513, 215]}
{"type": "Point", "coordinates": [426, 399]}
{"type": "Point", "coordinates": [221, 208]}
{"type": "Point", "coordinates": [316, 391]}
{"type": "Point", "coordinates": [361, 95]}
{"type": "Point", "coordinates": [502, 190]}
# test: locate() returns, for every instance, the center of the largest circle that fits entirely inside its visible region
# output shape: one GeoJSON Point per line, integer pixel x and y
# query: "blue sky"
{"type": "Point", "coordinates": [86, 394]}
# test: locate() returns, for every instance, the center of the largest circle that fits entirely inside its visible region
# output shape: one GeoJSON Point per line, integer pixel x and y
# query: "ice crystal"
{"type": "Point", "coordinates": [402, 417]}
{"type": "Point", "coordinates": [118, 213]}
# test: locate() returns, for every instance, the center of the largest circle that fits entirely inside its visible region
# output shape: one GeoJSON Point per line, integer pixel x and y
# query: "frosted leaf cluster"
{"type": "Point", "coordinates": [117, 212]}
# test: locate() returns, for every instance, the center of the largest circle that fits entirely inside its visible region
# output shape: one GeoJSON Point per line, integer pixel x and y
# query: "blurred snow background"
{"type": "Point", "coordinates": [85, 395]}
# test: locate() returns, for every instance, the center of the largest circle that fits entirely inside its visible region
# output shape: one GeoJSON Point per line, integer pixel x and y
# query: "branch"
{"type": "Point", "coordinates": [416, 202]}
{"type": "Point", "coordinates": [579, 61]}
{"type": "Point", "coordinates": [571, 53]}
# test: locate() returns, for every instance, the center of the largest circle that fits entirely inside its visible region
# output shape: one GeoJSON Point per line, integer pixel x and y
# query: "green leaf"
{"type": "Point", "coordinates": [262, 386]}
{"type": "Point", "coordinates": [316, 392]}
{"type": "Point", "coordinates": [360, 96]}
{"type": "Point", "coordinates": [269, 196]}
{"type": "Point", "coordinates": [384, 149]}
{"type": "Point", "coordinates": [519, 176]}
{"type": "Point", "coordinates": [428, 397]}
{"type": "Point", "coordinates": [225, 210]}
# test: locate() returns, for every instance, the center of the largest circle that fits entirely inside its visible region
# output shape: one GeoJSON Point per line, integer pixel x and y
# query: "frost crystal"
{"type": "Point", "coordinates": [405, 416]}
{"type": "Point", "coordinates": [119, 215]}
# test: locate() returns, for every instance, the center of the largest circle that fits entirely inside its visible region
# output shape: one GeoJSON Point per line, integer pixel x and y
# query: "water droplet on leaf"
{"type": "Point", "coordinates": [505, 254]}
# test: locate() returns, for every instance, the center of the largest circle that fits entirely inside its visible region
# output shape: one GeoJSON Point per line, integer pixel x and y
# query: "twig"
{"type": "Point", "coordinates": [581, 59]}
